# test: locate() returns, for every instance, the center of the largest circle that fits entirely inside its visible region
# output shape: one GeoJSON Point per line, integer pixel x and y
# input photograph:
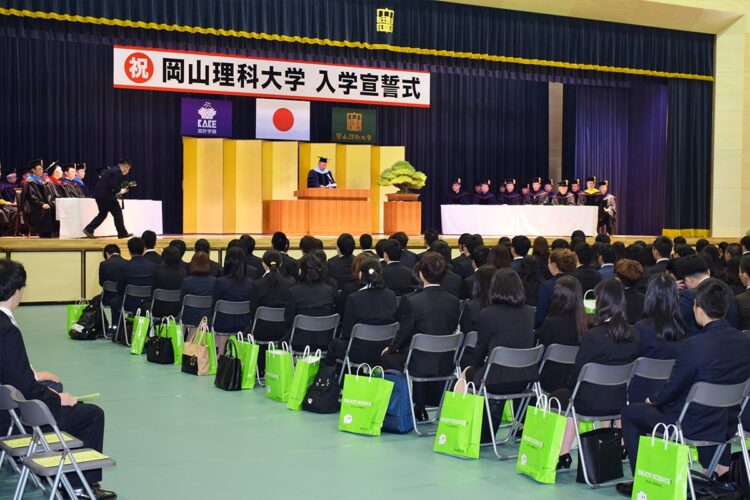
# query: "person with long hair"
{"type": "Point", "coordinates": [198, 282]}
{"type": "Point", "coordinates": [612, 341]}
{"type": "Point", "coordinates": [561, 262]}
{"type": "Point", "coordinates": [565, 324]}
{"type": "Point", "coordinates": [532, 278]}
{"type": "Point", "coordinates": [372, 304]}
{"type": "Point", "coordinates": [540, 249]}
{"type": "Point", "coordinates": [499, 257]}
{"type": "Point", "coordinates": [312, 296]}
{"type": "Point", "coordinates": [630, 273]}
{"type": "Point", "coordinates": [354, 284]}
{"type": "Point", "coordinates": [480, 299]}
{"type": "Point", "coordinates": [235, 286]}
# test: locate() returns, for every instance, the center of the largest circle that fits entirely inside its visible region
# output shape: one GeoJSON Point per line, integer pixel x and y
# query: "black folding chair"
{"type": "Point", "coordinates": [557, 353]}
{"type": "Point", "coordinates": [381, 335]}
{"type": "Point", "coordinates": [165, 299]}
{"type": "Point", "coordinates": [195, 302]}
{"type": "Point", "coordinates": [470, 341]}
{"type": "Point", "coordinates": [314, 324]}
{"type": "Point", "coordinates": [109, 289]}
{"type": "Point", "coordinates": [142, 292]}
{"type": "Point", "coordinates": [269, 315]}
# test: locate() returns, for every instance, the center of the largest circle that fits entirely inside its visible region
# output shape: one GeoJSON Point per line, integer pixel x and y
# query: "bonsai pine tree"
{"type": "Point", "coordinates": [402, 175]}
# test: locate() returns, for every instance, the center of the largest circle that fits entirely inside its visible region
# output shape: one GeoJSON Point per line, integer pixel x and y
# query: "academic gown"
{"type": "Point", "coordinates": [485, 199]}
{"type": "Point", "coordinates": [316, 178]}
{"type": "Point", "coordinates": [34, 196]}
{"type": "Point", "coordinates": [607, 213]}
{"type": "Point", "coordinates": [510, 198]}
{"type": "Point", "coordinates": [72, 189]}
{"type": "Point", "coordinates": [564, 199]}
{"type": "Point", "coordinates": [453, 198]}
{"type": "Point", "coordinates": [578, 196]}
{"type": "Point", "coordinates": [591, 197]}
{"type": "Point", "coordinates": [540, 197]}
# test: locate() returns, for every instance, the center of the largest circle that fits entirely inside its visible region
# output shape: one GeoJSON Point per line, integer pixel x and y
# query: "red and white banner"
{"type": "Point", "coordinates": [281, 119]}
{"type": "Point", "coordinates": [200, 72]}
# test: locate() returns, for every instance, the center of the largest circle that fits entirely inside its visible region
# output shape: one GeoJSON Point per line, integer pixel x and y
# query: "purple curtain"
{"type": "Point", "coordinates": [620, 134]}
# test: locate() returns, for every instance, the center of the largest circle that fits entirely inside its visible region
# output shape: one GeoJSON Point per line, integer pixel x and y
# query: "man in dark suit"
{"type": "Point", "coordinates": [451, 282]}
{"type": "Point", "coordinates": [340, 266]}
{"type": "Point", "coordinates": [84, 421]}
{"type": "Point", "coordinates": [477, 259]}
{"type": "Point", "coordinates": [607, 260]}
{"type": "Point", "coordinates": [181, 248]}
{"type": "Point", "coordinates": [149, 239]}
{"type": "Point", "coordinates": [137, 271]}
{"type": "Point", "coordinates": [430, 237]}
{"type": "Point", "coordinates": [661, 250]}
{"type": "Point", "coordinates": [718, 356]}
{"type": "Point", "coordinates": [462, 264]}
{"type": "Point", "coordinates": [109, 269]}
{"type": "Point", "coordinates": [743, 299]}
{"type": "Point", "coordinates": [396, 276]}
{"type": "Point", "coordinates": [202, 245]}
{"type": "Point", "coordinates": [408, 258]}
{"type": "Point", "coordinates": [585, 273]}
{"type": "Point", "coordinates": [693, 270]}
{"type": "Point", "coordinates": [280, 242]}
{"type": "Point", "coordinates": [519, 248]}
{"type": "Point", "coordinates": [108, 188]}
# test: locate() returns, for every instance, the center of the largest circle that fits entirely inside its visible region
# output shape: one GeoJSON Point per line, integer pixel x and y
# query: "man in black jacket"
{"type": "Point", "coordinates": [84, 421]}
{"type": "Point", "coordinates": [585, 273]}
{"type": "Point", "coordinates": [340, 266]}
{"type": "Point", "coordinates": [451, 282]}
{"type": "Point", "coordinates": [137, 271]}
{"type": "Point", "coordinates": [408, 258]}
{"type": "Point", "coordinates": [149, 239]}
{"type": "Point", "coordinates": [718, 356]}
{"type": "Point", "coordinates": [105, 194]}
{"type": "Point", "coordinates": [743, 299]}
{"type": "Point", "coordinates": [109, 269]}
{"type": "Point", "coordinates": [280, 242]}
{"type": "Point", "coordinates": [397, 277]}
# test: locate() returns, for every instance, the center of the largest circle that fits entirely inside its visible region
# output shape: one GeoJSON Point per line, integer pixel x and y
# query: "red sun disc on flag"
{"type": "Point", "coordinates": [283, 119]}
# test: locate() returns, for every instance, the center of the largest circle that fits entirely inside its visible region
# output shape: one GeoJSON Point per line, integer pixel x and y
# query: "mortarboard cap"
{"type": "Point", "coordinates": [456, 180]}
{"type": "Point", "coordinates": [52, 167]}
{"type": "Point", "coordinates": [68, 165]}
{"type": "Point", "coordinates": [510, 181]}
{"type": "Point", "coordinates": [548, 181]}
{"type": "Point", "coordinates": [486, 181]}
{"type": "Point", "coordinates": [591, 179]}
{"type": "Point", "coordinates": [322, 159]}
{"type": "Point", "coordinates": [575, 182]}
{"type": "Point", "coordinates": [562, 183]}
{"type": "Point", "coordinates": [80, 166]}
{"type": "Point", "coordinates": [603, 183]}
{"type": "Point", "coordinates": [536, 179]}
{"type": "Point", "coordinates": [34, 163]}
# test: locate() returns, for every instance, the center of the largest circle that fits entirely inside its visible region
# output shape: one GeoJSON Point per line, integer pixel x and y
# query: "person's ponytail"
{"type": "Point", "coordinates": [272, 259]}
{"type": "Point", "coordinates": [372, 273]}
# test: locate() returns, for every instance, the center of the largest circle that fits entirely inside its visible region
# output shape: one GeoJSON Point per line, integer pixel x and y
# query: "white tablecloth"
{"type": "Point", "coordinates": [509, 220]}
{"type": "Point", "coordinates": [75, 213]}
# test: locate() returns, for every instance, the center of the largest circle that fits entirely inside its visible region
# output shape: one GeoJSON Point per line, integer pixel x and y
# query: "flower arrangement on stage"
{"type": "Point", "coordinates": [404, 176]}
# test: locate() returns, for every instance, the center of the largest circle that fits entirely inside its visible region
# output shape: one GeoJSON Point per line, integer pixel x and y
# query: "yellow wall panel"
{"type": "Point", "coordinates": [308, 159]}
{"type": "Point", "coordinates": [203, 186]}
{"type": "Point", "coordinates": [243, 202]}
{"type": "Point", "coordinates": [92, 273]}
{"type": "Point", "coordinates": [51, 276]}
{"type": "Point", "coordinates": [382, 157]}
{"type": "Point", "coordinates": [280, 169]}
{"type": "Point", "coordinates": [354, 165]}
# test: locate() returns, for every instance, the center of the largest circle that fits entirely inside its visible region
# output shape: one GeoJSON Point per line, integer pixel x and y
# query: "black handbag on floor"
{"type": "Point", "coordinates": [89, 324]}
{"type": "Point", "coordinates": [603, 451]}
{"type": "Point", "coordinates": [159, 349]}
{"type": "Point", "coordinates": [323, 394]}
{"type": "Point", "coordinates": [229, 369]}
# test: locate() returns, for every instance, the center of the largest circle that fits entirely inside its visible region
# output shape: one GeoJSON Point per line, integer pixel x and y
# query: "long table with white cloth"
{"type": "Point", "coordinates": [534, 220]}
{"type": "Point", "coordinates": [75, 213]}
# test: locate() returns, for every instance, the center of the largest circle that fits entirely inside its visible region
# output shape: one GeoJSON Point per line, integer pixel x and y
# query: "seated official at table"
{"type": "Point", "coordinates": [484, 197]}
{"type": "Point", "coordinates": [563, 197]}
{"type": "Point", "coordinates": [457, 195]}
{"type": "Point", "coordinates": [320, 176]}
{"type": "Point", "coordinates": [510, 196]}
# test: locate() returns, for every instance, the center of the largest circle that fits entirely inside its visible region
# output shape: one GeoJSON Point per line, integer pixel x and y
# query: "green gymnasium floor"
{"type": "Point", "coordinates": [175, 436]}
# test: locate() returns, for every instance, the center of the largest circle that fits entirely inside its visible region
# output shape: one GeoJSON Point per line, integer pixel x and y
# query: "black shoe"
{"type": "Point", "coordinates": [99, 493]}
{"type": "Point", "coordinates": [723, 480]}
{"type": "Point", "coordinates": [625, 489]}
{"type": "Point", "coordinates": [128, 235]}
{"type": "Point", "coordinates": [89, 233]}
{"type": "Point", "coordinates": [564, 462]}
{"type": "Point", "coordinates": [624, 454]}
{"type": "Point", "coordinates": [421, 414]}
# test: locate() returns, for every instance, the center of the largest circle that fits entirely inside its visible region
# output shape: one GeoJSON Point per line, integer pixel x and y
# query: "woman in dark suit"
{"type": "Point", "coordinates": [530, 272]}
{"type": "Point", "coordinates": [660, 330]}
{"type": "Point", "coordinates": [480, 299]}
{"type": "Point", "coordinates": [352, 286]}
{"type": "Point", "coordinates": [611, 342]}
{"type": "Point", "coordinates": [233, 286]}
{"type": "Point", "coordinates": [198, 282]}
{"type": "Point", "coordinates": [630, 273]}
{"type": "Point", "coordinates": [312, 296]}
{"type": "Point", "coordinates": [372, 304]}
{"type": "Point", "coordinates": [565, 324]}
{"type": "Point", "coordinates": [271, 290]}
{"type": "Point", "coordinates": [168, 276]}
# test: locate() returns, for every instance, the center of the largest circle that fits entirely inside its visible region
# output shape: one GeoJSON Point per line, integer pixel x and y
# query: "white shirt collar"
{"type": "Point", "coordinates": [607, 264]}
{"type": "Point", "coordinates": [518, 258]}
{"type": "Point", "coordinates": [431, 284]}
{"type": "Point", "coordinates": [10, 316]}
{"type": "Point", "coordinates": [662, 260]}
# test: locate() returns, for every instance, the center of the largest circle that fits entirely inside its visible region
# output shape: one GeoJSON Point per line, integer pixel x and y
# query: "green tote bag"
{"type": "Point", "coordinates": [661, 470]}
{"type": "Point", "coordinates": [305, 371]}
{"type": "Point", "coordinates": [459, 429]}
{"type": "Point", "coordinates": [74, 312]}
{"type": "Point", "coordinates": [247, 352]}
{"type": "Point", "coordinates": [364, 402]}
{"type": "Point", "coordinates": [543, 432]}
{"type": "Point", "coordinates": [141, 324]}
{"type": "Point", "coordinates": [279, 372]}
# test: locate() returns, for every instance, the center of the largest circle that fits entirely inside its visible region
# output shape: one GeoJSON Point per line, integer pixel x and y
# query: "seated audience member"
{"type": "Point", "coordinates": [451, 282]}
{"type": "Point", "coordinates": [271, 290]}
{"type": "Point", "coordinates": [565, 324]}
{"type": "Point", "coordinates": [540, 250]}
{"type": "Point", "coordinates": [340, 266]}
{"type": "Point", "coordinates": [235, 286]}
{"type": "Point", "coordinates": [202, 245]}
{"type": "Point", "coordinates": [182, 248]}
{"type": "Point", "coordinates": [559, 243]}
{"type": "Point", "coordinates": [396, 276]}
{"type": "Point", "coordinates": [168, 276]}
{"type": "Point", "coordinates": [718, 356]}
{"type": "Point", "coordinates": [680, 240]}
{"type": "Point", "coordinates": [372, 304]}
{"type": "Point", "coordinates": [701, 244]}
{"type": "Point", "coordinates": [661, 251]}
{"type": "Point", "coordinates": [561, 262]}
{"type": "Point", "coordinates": [730, 275]}
{"type": "Point", "coordinates": [480, 299]}
{"type": "Point", "coordinates": [251, 271]}
{"type": "Point", "coordinates": [355, 284]}
{"type": "Point", "coordinates": [137, 271]}
{"type": "Point", "coordinates": [109, 269]}
{"type": "Point", "coordinates": [661, 329]}
{"type": "Point", "coordinates": [198, 282]}
{"type": "Point", "coordinates": [692, 271]}
{"type": "Point", "coordinates": [248, 243]}
{"type": "Point", "coordinates": [713, 259]}
{"type": "Point", "coordinates": [82, 420]}
{"type": "Point", "coordinates": [379, 248]}
{"type": "Point", "coordinates": [500, 257]}
{"type": "Point", "coordinates": [520, 246]}
{"type": "Point", "coordinates": [365, 243]}
{"type": "Point", "coordinates": [732, 252]}
{"type": "Point", "coordinates": [630, 273]}
{"type": "Point", "coordinates": [431, 311]}
{"type": "Point", "coordinates": [408, 258]}
{"type": "Point", "coordinates": [309, 243]}
{"type": "Point", "coordinates": [585, 272]}
{"type": "Point", "coordinates": [743, 299]}
{"type": "Point", "coordinates": [149, 240]}
{"type": "Point", "coordinates": [682, 251]}
{"type": "Point", "coordinates": [531, 276]}
{"type": "Point", "coordinates": [321, 255]}
{"type": "Point", "coordinates": [462, 263]}
{"type": "Point", "coordinates": [280, 243]}
{"type": "Point", "coordinates": [611, 342]}
{"type": "Point", "coordinates": [430, 237]}
{"type": "Point", "coordinates": [312, 296]}
{"type": "Point", "coordinates": [606, 258]}
{"type": "Point", "coordinates": [477, 259]}
{"type": "Point", "coordinates": [619, 249]}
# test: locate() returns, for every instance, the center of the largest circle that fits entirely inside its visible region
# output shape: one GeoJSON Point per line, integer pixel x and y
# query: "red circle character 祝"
{"type": "Point", "coordinates": [139, 67]}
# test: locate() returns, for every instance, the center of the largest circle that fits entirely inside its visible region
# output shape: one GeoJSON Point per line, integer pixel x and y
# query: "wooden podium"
{"type": "Point", "coordinates": [321, 211]}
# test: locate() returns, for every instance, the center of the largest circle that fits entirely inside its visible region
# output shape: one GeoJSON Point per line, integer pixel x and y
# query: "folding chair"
{"type": "Point", "coordinates": [167, 297]}
{"type": "Point", "coordinates": [426, 345]}
{"type": "Point", "coordinates": [196, 302]}
{"type": "Point", "coordinates": [380, 334]}
{"type": "Point", "coordinates": [228, 308]}
{"type": "Point", "coordinates": [470, 340]}
{"type": "Point", "coordinates": [507, 357]}
{"type": "Point", "coordinates": [597, 374]}
{"type": "Point", "coordinates": [557, 353]}
{"type": "Point", "coordinates": [48, 463]}
{"type": "Point", "coordinates": [108, 287]}
{"type": "Point", "coordinates": [653, 369]}
{"type": "Point", "coordinates": [270, 315]}
{"type": "Point", "coordinates": [314, 324]}
{"type": "Point", "coordinates": [461, 306]}
{"type": "Point", "coordinates": [131, 291]}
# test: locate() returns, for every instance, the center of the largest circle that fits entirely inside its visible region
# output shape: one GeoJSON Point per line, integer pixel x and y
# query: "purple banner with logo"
{"type": "Point", "coordinates": [206, 118]}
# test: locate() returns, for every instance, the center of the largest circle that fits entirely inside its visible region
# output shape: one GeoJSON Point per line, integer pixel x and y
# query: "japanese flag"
{"type": "Point", "coordinates": [282, 119]}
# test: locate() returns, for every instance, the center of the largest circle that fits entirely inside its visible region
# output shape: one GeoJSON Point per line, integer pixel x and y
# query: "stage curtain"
{"type": "Point", "coordinates": [690, 163]}
{"type": "Point", "coordinates": [419, 24]}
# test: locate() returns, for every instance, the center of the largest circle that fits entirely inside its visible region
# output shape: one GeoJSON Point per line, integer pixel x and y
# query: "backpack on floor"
{"type": "Point", "coordinates": [89, 324]}
{"type": "Point", "coordinates": [398, 416]}
{"type": "Point", "coordinates": [323, 394]}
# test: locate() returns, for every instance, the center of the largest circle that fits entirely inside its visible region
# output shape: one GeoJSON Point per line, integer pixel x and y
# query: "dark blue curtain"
{"type": "Point", "coordinates": [619, 134]}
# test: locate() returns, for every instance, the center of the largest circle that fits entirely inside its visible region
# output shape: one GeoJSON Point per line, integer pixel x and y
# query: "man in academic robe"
{"type": "Point", "coordinates": [35, 205]}
{"type": "Point", "coordinates": [8, 207]}
{"type": "Point", "coordinates": [563, 196]}
{"type": "Point", "coordinates": [456, 195]}
{"type": "Point", "coordinates": [70, 186]}
{"type": "Point", "coordinates": [591, 196]}
{"type": "Point", "coordinates": [575, 189]}
{"type": "Point", "coordinates": [54, 185]}
{"type": "Point", "coordinates": [525, 195]}
{"type": "Point", "coordinates": [485, 197]}
{"type": "Point", "coordinates": [607, 209]}
{"type": "Point", "coordinates": [549, 193]}
{"type": "Point", "coordinates": [537, 196]}
{"type": "Point", "coordinates": [320, 176]}
{"type": "Point", "coordinates": [80, 175]}
{"type": "Point", "coordinates": [477, 191]}
{"type": "Point", "coordinates": [510, 196]}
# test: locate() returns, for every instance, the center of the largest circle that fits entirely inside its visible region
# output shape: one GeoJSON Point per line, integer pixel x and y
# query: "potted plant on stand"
{"type": "Point", "coordinates": [402, 211]}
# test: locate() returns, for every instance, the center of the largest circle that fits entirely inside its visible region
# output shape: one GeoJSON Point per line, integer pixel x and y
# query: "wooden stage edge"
{"type": "Point", "coordinates": [262, 241]}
